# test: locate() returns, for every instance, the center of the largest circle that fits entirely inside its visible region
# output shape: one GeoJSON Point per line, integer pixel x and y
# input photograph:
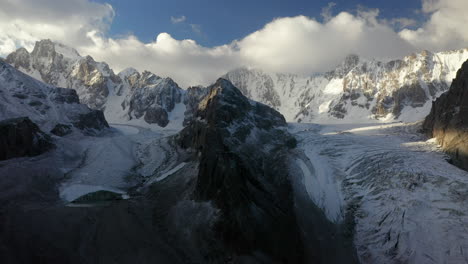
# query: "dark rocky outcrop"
{"type": "Point", "coordinates": [92, 120]}
{"type": "Point", "coordinates": [448, 120]}
{"type": "Point", "coordinates": [20, 137]}
{"type": "Point", "coordinates": [64, 96]}
{"type": "Point", "coordinates": [242, 147]}
{"type": "Point", "coordinates": [61, 130]}
{"type": "Point", "coordinates": [193, 96]}
{"type": "Point", "coordinates": [157, 115]}
{"type": "Point", "coordinates": [150, 96]}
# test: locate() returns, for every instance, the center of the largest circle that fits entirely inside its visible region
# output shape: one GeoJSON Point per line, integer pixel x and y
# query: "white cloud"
{"type": "Point", "coordinates": [293, 44]}
{"type": "Point", "coordinates": [445, 29]}
{"type": "Point", "coordinates": [402, 22]}
{"type": "Point", "coordinates": [303, 45]}
{"type": "Point", "coordinates": [22, 22]}
{"type": "Point", "coordinates": [177, 20]}
{"type": "Point", "coordinates": [327, 11]}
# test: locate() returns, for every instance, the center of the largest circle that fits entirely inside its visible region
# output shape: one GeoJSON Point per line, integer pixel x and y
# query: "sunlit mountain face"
{"type": "Point", "coordinates": [209, 132]}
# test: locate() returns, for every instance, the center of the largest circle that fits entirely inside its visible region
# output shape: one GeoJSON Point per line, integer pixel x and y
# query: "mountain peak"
{"type": "Point", "coordinates": [48, 48]}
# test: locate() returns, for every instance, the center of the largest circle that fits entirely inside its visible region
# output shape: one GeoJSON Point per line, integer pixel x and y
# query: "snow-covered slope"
{"type": "Point", "coordinates": [45, 105]}
{"type": "Point", "coordinates": [127, 96]}
{"type": "Point", "coordinates": [358, 90]}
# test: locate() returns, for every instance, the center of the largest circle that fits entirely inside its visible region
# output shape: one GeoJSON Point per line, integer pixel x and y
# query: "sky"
{"type": "Point", "coordinates": [196, 41]}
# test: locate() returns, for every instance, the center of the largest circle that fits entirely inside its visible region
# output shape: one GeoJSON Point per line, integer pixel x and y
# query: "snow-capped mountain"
{"type": "Point", "coordinates": [123, 97]}
{"type": "Point", "coordinates": [49, 107]}
{"type": "Point", "coordinates": [358, 90]}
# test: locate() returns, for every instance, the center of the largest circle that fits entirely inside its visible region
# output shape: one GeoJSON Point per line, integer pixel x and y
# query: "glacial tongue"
{"type": "Point", "coordinates": [242, 148]}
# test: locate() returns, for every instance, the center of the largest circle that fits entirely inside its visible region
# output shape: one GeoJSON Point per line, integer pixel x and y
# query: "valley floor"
{"type": "Point", "coordinates": [406, 202]}
{"type": "Point", "coordinates": [395, 190]}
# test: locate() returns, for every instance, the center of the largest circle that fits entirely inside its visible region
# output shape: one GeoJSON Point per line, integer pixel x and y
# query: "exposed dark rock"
{"type": "Point", "coordinates": [243, 147]}
{"type": "Point", "coordinates": [64, 95]}
{"type": "Point", "coordinates": [448, 120]}
{"type": "Point", "coordinates": [266, 88]}
{"type": "Point", "coordinates": [193, 96]}
{"type": "Point", "coordinates": [92, 120]}
{"type": "Point", "coordinates": [151, 93]}
{"type": "Point", "coordinates": [61, 130]}
{"type": "Point", "coordinates": [157, 115]}
{"type": "Point", "coordinates": [99, 196]}
{"type": "Point", "coordinates": [21, 58]}
{"type": "Point", "coordinates": [87, 75]}
{"type": "Point", "coordinates": [20, 137]}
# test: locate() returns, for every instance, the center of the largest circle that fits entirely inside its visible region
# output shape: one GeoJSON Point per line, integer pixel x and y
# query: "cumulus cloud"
{"type": "Point", "coordinates": [304, 45]}
{"type": "Point", "coordinates": [298, 44]}
{"type": "Point", "coordinates": [445, 29]}
{"type": "Point", "coordinates": [177, 20]}
{"type": "Point", "coordinates": [22, 22]}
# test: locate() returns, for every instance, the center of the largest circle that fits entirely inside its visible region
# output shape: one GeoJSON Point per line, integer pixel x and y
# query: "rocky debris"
{"type": "Point", "coordinates": [61, 130]}
{"type": "Point", "coordinates": [242, 148]}
{"type": "Point", "coordinates": [20, 137]}
{"type": "Point", "coordinates": [448, 119]}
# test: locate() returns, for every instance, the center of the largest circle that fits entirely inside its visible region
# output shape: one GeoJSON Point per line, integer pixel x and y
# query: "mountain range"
{"type": "Point", "coordinates": [358, 90]}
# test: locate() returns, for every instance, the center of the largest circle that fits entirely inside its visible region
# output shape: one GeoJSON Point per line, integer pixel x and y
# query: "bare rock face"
{"type": "Point", "coordinates": [64, 96]}
{"type": "Point", "coordinates": [193, 96]}
{"type": "Point", "coordinates": [157, 115]}
{"type": "Point", "coordinates": [93, 120]}
{"type": "Point", "coordinates": [151, 93]}
{"type": "Point", "coordinates": [448, 120]}
{"type": "Point", "coordinates": [59, 65]}
{"type": "Point", "coordinates": [20, 137]}
{"type": "Point", "coordinates": [242, 148]}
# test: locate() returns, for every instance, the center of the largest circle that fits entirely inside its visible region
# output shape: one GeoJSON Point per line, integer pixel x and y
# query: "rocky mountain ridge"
{"type": "Point", "coordinates": [46, 105]}
{"type": "Point", "coordinates": [358, 90]}
{"type": "Point", "coordinates": [242, 148]}
{"type": "Point", "coordinates": [126, 96]}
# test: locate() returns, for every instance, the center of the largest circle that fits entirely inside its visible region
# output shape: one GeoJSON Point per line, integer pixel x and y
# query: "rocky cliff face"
{"type": "Point", "coordinates": [193, 96]}
{"type": "Point", "coordinates": [47, 106]}
{"type": "Point", "coordinates": [20, 137]}
{"type": "Point", "coordinates": [126, 96]}
{"type": "Point", "coordinates": [150, 97]}
{"type": "Point", "coordinates": [448, 119]}
{"type": "Point", "coordinates": [358, 90]}
{"type": "Point", "coordinates": [242, 148]}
